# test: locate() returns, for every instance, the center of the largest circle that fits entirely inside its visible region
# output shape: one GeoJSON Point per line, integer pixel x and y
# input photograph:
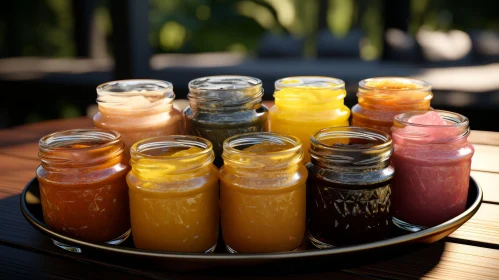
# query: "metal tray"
{"type": "Point", "coordinates": [125, 253]}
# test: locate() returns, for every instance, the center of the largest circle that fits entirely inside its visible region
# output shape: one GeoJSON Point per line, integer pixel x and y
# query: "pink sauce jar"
{"type": "Point", "coordinates": [138, 109]}
{"type": "Point", "coordinates": [432, 159]}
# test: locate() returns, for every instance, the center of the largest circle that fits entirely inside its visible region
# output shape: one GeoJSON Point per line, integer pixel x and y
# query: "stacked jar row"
{"type": "Point", "coordinates": [311, 174]}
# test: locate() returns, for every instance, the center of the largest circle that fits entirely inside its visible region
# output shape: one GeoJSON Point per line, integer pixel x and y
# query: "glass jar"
{"type": "Point", "coordinates": [83, 187]}
{"type": "Point", "coordinates": [381, 99]}
{"type": "Point", "coordinates": [174, 202]}
{"type": "Point", "coordinates": [262, 193]}
{"type": "Point", "coordinates": [348, 189]}
{"type": "Point", "coordinates": [138, 109]}
{"type": "Point", "coordinates": [222, 106]}
{"type": "Point", "coordinates": [433, 163]}
{"type": "Point", "coordinates": [304, 105]}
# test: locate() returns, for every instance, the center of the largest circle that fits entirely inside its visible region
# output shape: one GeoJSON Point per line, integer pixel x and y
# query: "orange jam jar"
{"type": "Point", "coordinates": [138, 109]}
{"type": "Point", "coordinates": [306, 104]}
{"type": "Point", "coordinates": [174, 204]}
{"type": "Point", "coordinates": [381, 99]}
{"type": "Point", "coordinates": [83, 185]}
{"type": "Point", "coordinates": [262, 193]}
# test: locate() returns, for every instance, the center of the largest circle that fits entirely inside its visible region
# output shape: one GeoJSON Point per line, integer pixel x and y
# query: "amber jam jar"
{"type": "Point", "coordinates": [381, 99]}
{"type": "Point", "coordinates": [223, 106]}
{"type": "Point", "coordinates": [83, 187]}
{"type": "Point", "coordinates": [348, 188]}
{"type": "Point", "coordinates": [262, 193]}
{"type": "Point", "coordinates": [138, 109]}
{"type": "Point", "coordinates": [174, 200]}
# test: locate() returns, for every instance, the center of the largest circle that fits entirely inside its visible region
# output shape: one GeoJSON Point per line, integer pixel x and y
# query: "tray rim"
{"type": "Point", "coordinates": [407, 238]}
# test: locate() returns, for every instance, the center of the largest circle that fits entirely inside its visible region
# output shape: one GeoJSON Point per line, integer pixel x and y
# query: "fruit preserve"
{"type": "Point", "coordinates": [138, 109]}
{"type": "Point", "coordinates": [223, 106]}
{"type": "Point", "coordinates": [83, 185]}
{"type": "Point", "coordinates": [174, 202]}
{"type": "Point", "coordinates": [381, 99]}
{"type": "Point", "coordinates": [304, 105]}
{"type": "Point", "coordinates": [433, 161]}
{"type": "Point", "coordinates": [262, 193]}
{"type": "Point", "coordinates": [348, 188]}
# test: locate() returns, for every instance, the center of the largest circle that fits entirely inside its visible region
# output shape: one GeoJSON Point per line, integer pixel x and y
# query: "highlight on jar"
{"type": "Point", "coordinates": [433, 161]}
{"type": "Point", "coordinates": [262, 193]}
{"type": "Point", "coordinates": [381, 99]}
{"type": "Point", "coordinates": [223, 106]}
{"type": "Point", "coordinates": [83, 188]}
{"type": "Point", "coordinates": [349, 186]}
{"type": "Point", "coordinates": [305, 104]}
{"type": "Point", "coordinates": [138, 109]}
{"type": "Point", "coordinates": [174, 198]}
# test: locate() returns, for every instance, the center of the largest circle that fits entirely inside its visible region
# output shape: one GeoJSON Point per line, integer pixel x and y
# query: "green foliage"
{"type": "Point", "coordinates": [45, 27]}
{"type": "Point", "coordinates": [42, 27]}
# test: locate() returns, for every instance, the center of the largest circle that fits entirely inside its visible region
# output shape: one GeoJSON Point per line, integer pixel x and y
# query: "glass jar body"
{"type": "Point", "coordinates": [223, 106]}
{"type": "Point", "coordinates": [262, 193]}
{"type": "Point", "coordinates": [174, 194]}
{"type": "Point", "coordinates": [432, 179]}
{"type": "Point", "coordinates": [346, 213]}
{"type": "Point", "coordinates": [304, 124]}
{"type": "Point", "coordinates": [141, 125]}
{"type": "Point", "coordinates": [85, 201]}
{"type": "Point", "coordinates": [138, 109]}
{"type": "Point", "coordinates": [304, 105]}
{"type": "Point", "coordinates": [175, 215]}
{"type": "Point", "coordinates": [349, 186]}
{"type": "Point", "coordinates": [218, 125]}
{"type": "Point", "coordinates": [260, 213]}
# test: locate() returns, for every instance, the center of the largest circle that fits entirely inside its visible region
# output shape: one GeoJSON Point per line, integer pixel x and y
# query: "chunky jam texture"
{"type": "Point", "coordinates": [88, 203]}
{"type": "Point", "coordinates": [263, 210]}
{"type": "Point", "coordinates": [384, 99]}
{"type": "Point", "coordinates": [171, 209]}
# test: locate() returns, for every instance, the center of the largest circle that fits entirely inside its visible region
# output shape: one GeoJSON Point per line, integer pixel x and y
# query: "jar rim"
{"type": "Point", "coordinates": [199, 83]}
{"type": "Point", "coordinates": [457, 120]}
{"type": "Point", "coordinates": [342, 132]}
{"type": "Point", "coordinates": [59, 139]}
{"type": "Point", "coordinates": [258, 138]}
{"type": "Point", "coordinates": [319, 82]}
{"type": "Point", "coordinates": [421, 85]}
{"type": "Point", "coordinates": [105, 88]}
{"type": "Point", "coordinates": [140, 148]}
{"type": "Point", "coordinates": [225, 92]}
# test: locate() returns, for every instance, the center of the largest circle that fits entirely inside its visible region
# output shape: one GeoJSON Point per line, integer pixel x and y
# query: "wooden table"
{"type": "Point", "coordinates": [472, 252]}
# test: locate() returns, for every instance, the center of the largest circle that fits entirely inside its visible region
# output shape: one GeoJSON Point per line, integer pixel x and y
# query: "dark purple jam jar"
{"type": "Point", "coordinates": [348, 188]}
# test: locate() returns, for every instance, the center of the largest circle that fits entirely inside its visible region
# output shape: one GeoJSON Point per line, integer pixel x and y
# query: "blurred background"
{"type": "Point", "coordinates": [53, 53]}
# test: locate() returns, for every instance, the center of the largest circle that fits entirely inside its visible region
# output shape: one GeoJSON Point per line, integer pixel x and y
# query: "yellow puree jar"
{"type": "Point", "coordinates": [173, 189]}
{"type": "Point", "coordinates": [304, 105]}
